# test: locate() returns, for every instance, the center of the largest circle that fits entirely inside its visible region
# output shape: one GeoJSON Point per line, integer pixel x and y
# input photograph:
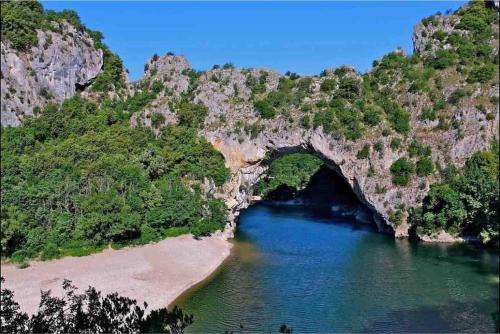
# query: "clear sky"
{"type": "Point", "coordinates": [303, 37]}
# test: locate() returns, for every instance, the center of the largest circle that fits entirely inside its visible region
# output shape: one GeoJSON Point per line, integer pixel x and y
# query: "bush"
{"type": "Point", "coordinates": [157, 120]}
{"type": "Point", "coordinates": [395, 143]}
{"type": "Point", "coordinates": [467, 200]}
{"type": "Point", "coordinates": [428, 114]}
{"type": "Point", "coordinates": [457, 95]}
{"type": "Point", "coordinates": [305, 122]}
{"type": "Point", "coordinates": [401, 171]}
{"type": "Point", "coordinates": [191, 115]}
{"type": "Point", "coordinates": [371, 116]}
{"type": "Point", "coordinates": [442, 59]}
{"type": "Point", "coordinates": [415, 149]}
{"type": "Point", "coordinates": [328, 85]}
{"type": "Point", "coordinates": [400, 121]}
{"type": "Point", "coordinates": [482, 73]}
{"type": "Point", "coordinates": [326, 119]}
{"type": "Point", "coordinates": [364, 152]}
{"type": "Point", "coordinates": [265, 109]}
{"type": "Point", "coordinates": [424, 167]}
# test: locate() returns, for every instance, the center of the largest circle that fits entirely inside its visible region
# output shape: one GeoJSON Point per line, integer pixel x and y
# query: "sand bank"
{"type": "Point", "coordinates": [155, 273]}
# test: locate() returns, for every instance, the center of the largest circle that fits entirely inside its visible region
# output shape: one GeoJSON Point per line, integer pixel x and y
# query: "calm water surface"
{"type": "Point", "coordinates": [317, 273]}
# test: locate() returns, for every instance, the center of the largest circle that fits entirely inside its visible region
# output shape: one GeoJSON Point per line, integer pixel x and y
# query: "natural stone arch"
{"type": "Point", "coordinates": [246, 161]}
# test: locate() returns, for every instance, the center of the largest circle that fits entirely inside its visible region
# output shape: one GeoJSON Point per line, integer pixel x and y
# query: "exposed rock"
{"type": "Point", "coordinates": [442, 236]}
{"type": "Point", "coordinates": [60, 65]}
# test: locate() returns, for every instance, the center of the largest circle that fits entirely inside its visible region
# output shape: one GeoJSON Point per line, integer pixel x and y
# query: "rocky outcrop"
{"type": "Point", "coordinates": [425, 40]}
{"type": "Point", "coordinates": [60, 65]}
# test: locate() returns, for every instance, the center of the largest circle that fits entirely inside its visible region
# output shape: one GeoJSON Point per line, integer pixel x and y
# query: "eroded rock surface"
{"type": "Point", "coordinates": [60, 65]}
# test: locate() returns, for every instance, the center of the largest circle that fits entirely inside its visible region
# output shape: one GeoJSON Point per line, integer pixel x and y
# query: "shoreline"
{"type": "Point", "coordinates": [156, 273]}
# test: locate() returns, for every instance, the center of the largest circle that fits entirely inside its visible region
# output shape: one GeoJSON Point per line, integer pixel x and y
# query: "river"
{"type": "Point", "coordinates": [318, 272]}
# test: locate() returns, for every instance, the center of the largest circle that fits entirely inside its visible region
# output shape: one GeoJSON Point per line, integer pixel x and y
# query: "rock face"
{"type": "Point", "coordinates": [60, 65]}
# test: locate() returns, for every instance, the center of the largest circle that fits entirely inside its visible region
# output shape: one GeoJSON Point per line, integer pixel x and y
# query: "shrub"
{"type": "Point", "coordinates": [415, 149]}
{"type": "Point", "coordinates": [20, 21]}
{"type": "Point", "coordinates": [326, 119]}
{"type": "Point", "coordinates": [157, 119]}
{"type": "Point", "coordinates": [440, 35]}
{"type": "Point", "coordinates": [371, 116]}
{"type": "Point", "coordinates": [364, 152]}
{"type": "Point", "coordinates": [457, 95]}
{"type": "Point", "coordinates": [191, 115]}
{"type": "Point", "coordinates": [401, 171]}
{"type": "Point", "coordinates": [482, 73]}
{"type": "Point", "coordinates": [424, 167]}
{"type": "Point", "coordinates": [348, 88]}
{"type": "Point", "coordinates": [305, 122]}
{"type": "Point", "coordinates": [400, 121]}
{"type": "Point", "coordinates": [428, 114]}
{"type": "Point", "coordinates": [442, 59]}
{"type": "Point", "coordinates": [328, 85]}
{"type": "Point", "coordinates": [265, 109]}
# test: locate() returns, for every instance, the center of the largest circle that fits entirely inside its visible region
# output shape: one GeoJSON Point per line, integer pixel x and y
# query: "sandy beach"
{"type": "Point", "coordinates": [155, 273]}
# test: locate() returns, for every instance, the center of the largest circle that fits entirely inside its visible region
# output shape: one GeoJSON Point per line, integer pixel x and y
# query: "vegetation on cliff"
{"type": "Point", "coordinates": [466, 202]}
{"type": "Point", "coordinates": [79, 177]}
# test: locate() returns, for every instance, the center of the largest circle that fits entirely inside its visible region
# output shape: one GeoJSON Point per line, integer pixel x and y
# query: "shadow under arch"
{"type": "Point", "coordinates": [329, 175]}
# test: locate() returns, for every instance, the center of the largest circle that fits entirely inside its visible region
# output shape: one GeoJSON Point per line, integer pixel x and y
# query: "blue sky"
{"type": "Point", "coordinates": [297, 36]}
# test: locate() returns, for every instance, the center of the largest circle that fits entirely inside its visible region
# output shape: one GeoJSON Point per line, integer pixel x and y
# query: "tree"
{"type": "Point", "coordinates": [424, 167]}
{"type": "Point", "coordinates": [401, 171]}
{"type": "Point", "coordinates": [265, 109]}
{"type": "Point", "coordinates": [90, 312]}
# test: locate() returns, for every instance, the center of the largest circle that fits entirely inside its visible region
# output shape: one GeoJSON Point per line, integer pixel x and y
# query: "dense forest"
{"type": "Point", "coordinates": [80, 177]}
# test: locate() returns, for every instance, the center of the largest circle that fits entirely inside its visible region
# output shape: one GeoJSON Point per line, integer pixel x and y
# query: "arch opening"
{"type": "Point", "coordinates": [302, 176]}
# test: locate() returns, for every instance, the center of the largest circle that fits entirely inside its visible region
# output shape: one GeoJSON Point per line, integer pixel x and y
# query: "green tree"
{"type": "Point", "coordinates": [401, 171]}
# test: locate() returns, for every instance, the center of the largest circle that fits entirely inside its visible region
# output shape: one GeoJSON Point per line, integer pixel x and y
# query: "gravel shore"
{"type": "Point", "coordinates": [155, 273]}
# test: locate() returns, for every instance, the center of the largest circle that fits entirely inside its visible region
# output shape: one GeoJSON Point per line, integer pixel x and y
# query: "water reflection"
{"type": "Point", "coordinates": [321, 274]}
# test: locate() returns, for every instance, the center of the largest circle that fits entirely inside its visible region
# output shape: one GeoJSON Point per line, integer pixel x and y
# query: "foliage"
{"type": "Point", "coordinates": [293, 170]}
{"type": "Point", "coordinates": [79, 177]}
{"type": "Point", "coordinates": [424, 167]}
{"type": "Point", "coordinates": [364, 152]}
{"type": "Point", "coordinates": [89, 312]}
{"type": "Point", "coordinates": [265, 109]}
{"type": "Point", "coordinates": [19, 21]}
{"type": "Point", "coordinates": [457, 95]}
{"type": "Point", "coordinates": [395, 143]}
{"type": "Point", "coordinates": [328, 85]}
{"type": "Point", "coordinates": [401, 171]}
{"type": "Point", "coordinates": [415, 149]}
{"type": "Point", "coordinates": [191, 115]}
{"type": "Point", "coordinates": [466, 202]}
{"type": "Point", "coordinates": [482, 73]}
{"type": "Point", "coordinates": [326, 119]}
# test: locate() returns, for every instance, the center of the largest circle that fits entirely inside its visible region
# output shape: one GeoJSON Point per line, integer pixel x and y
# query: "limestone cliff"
{"type": "Point", "coordinates": [61, 64]}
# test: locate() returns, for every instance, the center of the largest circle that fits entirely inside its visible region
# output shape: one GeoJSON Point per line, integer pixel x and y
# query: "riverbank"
{"type": "Point", "coordinates": [155, 273]}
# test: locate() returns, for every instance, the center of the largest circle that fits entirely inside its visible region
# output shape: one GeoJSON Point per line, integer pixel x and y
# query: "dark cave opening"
{"type": "Point", "coordinates": [329, 194]}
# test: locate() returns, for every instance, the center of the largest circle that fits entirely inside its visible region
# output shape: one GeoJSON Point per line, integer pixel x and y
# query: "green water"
{"type": "Point", "coordinates": [318, 273]}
